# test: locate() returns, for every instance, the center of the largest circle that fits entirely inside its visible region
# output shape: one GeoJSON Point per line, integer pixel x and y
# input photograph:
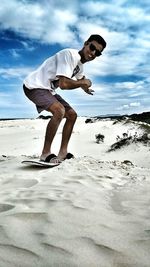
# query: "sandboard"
{"type": "Point", "coordinates": [39, 163]}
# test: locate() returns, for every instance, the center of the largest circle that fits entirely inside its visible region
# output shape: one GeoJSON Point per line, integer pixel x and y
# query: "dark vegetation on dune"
{"type": "Point", "coordinates": [143, 121]}
{"type": "Point", "coordinates": [142, 117]}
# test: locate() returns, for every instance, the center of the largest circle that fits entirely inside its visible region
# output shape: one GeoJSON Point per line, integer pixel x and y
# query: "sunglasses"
{"type": "Point", "coordinates": [93, 48]}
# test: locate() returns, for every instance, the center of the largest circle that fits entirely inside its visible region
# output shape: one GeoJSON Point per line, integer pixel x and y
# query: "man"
{"type": "Point", "coordinates": [63, 70]}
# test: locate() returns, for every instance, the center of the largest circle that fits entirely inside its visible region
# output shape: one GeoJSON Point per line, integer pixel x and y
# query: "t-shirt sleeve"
{"type": "Point", "coordinates": [65, 64]}
{"type": "Point", "coordinates": [80, 74]}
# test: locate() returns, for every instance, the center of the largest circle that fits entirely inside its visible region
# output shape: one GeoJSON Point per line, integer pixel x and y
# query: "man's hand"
{"type": "Point", "coordinates": [86, 83]}
{"type": "Point", "coordinates": [89, 91]}
{"type": "Point", "coordinates": [68, 84]}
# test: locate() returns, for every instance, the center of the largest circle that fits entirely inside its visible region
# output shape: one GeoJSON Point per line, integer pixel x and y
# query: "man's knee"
{"type": "Point", "coordinates": [57, 110]}
{"type": "Point", "coordinates": [71, 115]}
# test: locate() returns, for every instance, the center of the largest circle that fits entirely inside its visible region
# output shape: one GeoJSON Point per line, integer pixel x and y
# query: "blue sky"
{"type": "Point", "coordinates": [31, 31]}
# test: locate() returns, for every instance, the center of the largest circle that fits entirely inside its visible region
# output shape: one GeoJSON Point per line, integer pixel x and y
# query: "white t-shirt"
{"type": "Point", "coordinates": [64, 63]}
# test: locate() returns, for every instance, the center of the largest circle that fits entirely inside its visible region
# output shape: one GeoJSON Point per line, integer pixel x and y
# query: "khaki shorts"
{"type": "Point", "coordinates": [43, 98]}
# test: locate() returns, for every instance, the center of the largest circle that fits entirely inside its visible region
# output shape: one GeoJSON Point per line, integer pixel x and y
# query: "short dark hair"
{"type": "Point", "coordinates": [97, 38]}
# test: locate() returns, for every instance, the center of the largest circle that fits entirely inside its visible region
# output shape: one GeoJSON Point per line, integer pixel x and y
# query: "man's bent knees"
{"type": "Point", "coordinates": [57, 110]}
{"type": "Point", "coordinates": [71, 115]}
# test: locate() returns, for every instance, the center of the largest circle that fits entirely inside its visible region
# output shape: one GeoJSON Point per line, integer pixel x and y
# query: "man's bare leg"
{"type": "Point", "coordinates": [58, 112]}
{"type": "Point", "coordinates": [71, 117]}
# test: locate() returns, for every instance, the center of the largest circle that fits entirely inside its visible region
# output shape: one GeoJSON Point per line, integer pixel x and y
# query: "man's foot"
{"type": "Point", "coordinates": [52, 158]}
{"type": "Point", "coordinates": [63, 157]}
{"type": "Point", "coordinates": [69, 156]}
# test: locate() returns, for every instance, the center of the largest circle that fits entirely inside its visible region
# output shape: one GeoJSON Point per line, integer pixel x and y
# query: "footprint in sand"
{"type": "Point", "coordinates": [20, 183]}
{"type": "Point", "coordinates": [5, 207]}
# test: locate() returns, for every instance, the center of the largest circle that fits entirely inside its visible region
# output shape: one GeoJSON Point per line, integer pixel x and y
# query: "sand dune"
{"type": "Point", "coordinates": [91, 211]}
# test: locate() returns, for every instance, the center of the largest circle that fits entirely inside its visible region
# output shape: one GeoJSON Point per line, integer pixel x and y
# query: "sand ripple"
{"type": "Point", "coordinates": [17, 255]}
{"type": "Point", "coordinates": [5, 207]}
{"type": "Point", "coordinates": [83, 213]}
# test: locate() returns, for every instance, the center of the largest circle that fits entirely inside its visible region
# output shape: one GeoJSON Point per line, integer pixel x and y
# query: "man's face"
{"type": "Point", "coordinates": [90, 51]}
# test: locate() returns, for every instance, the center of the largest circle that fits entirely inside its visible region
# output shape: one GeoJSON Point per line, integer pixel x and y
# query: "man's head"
{"type": "Point", "coordinates": [93, 48]}
{"type": "Point", "coordinates": [99, 39]}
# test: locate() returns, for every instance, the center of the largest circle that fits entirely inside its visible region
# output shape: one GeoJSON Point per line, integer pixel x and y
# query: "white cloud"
{"type": "Point", "coordinates": [129, 106]}
{"type": "Point", "coordinates": [15, 53]}
{"type": "Point", "coordinates": [53, 22]}
{"type": "Point", "coordinates": [47, 23]}
{"type": "Point", "coordinates": [135, 104]}
{"type": "Point", "coordinates": [19, 72]}
{"type": "Point", "coordinates": [124, 25]}
{"type": "Point", "coordinates": [27, 46]}
{"type": "Point", "coordinates": [7, 101]}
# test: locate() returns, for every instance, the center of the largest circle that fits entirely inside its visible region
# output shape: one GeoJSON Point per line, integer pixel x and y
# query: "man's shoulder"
{"type": "Point", "coordinates": [70, 51]}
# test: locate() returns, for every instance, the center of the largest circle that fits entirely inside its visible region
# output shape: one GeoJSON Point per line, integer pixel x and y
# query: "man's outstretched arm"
{"type": "Point", "coordinates": [67, 83]}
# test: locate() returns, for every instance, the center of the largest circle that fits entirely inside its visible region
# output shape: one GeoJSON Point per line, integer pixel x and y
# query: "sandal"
{"type": "Point", "coordinates": [52, 158]}
{"type": "Point", "coordinates": [69, 156]}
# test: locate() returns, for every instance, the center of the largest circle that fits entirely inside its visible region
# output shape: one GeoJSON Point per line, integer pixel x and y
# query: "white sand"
{"type": "Point", "coordinates": [91, 211]}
